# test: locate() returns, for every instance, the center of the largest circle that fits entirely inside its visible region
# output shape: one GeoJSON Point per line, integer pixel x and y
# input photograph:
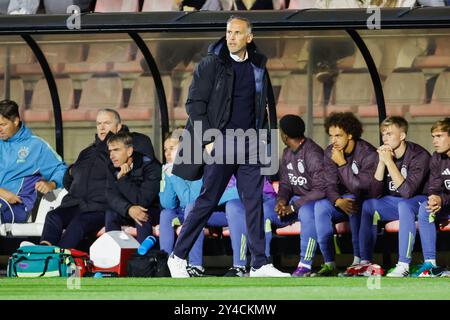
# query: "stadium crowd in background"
{"type": "Point", "coordinates": [60, 6]}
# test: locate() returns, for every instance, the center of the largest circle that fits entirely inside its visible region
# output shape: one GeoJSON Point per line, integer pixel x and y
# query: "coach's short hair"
{"type": "Point", "coordinates": [442, 125]}
{"type": "Point", "coordinates": [236, 17]}
{"type": "Point", "coordinates": [398, 121]}
{"type": "Point", "coordinates": [9, 110]}
{"type": "Point", "coordinates": [123, 137]}
{"type": "Point", "coordinates": [114, 112]}
{"type": "Point", "coordinates": [346, 121]}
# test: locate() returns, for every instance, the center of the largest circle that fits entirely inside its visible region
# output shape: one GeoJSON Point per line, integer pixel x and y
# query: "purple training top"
{"type": "Point", "coordinates": [301, 174]}
{"type": "Point", "coordinates": [356, 176]}
{"type": "Point", "coordinates": [439, 182]}
{"type": "Point", "coordinates": [414, 167]}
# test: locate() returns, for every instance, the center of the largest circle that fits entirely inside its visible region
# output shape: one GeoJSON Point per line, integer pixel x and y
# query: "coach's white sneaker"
{"type": "Point", "coordinates": [177, 267]}
{"type": "Point", "coordinates": [400, 271]}
{"type": "Point", "coordinates": [268, 270]}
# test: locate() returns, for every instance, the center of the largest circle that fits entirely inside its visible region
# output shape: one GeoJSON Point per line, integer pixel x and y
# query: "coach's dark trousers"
{"type": "Point", "coordinates": [215, 180]}
{"type": "Point", "coordinates": [75, 223]}
{"type": "Point", "coordinates": [114, 222]}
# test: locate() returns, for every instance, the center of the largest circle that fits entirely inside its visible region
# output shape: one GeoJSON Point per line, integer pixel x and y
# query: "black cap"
{"type": "Point", "coordinates": [293, 126]}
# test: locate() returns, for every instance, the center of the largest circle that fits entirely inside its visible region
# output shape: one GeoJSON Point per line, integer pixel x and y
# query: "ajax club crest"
{"type": "Point", "coordinates": [404, 172]}
{"type": "Point", "coordinates": [301, 166]}
{"type": "Point", "coordinates": [22, 154]}
{"type": "Point", "coordinates": [355, 168]}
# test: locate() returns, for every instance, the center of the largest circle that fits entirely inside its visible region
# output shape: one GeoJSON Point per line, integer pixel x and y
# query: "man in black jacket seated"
{"type": "Point", "coordinates": [82, 211]}
{"type": "Point", "coordinates": [132, 185]}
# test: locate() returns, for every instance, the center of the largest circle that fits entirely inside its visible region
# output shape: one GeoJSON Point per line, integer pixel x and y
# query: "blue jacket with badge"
{"type": "Point", "coordinates": [25, 156]}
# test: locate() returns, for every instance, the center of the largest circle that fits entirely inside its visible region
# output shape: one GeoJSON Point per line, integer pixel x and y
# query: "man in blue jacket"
{"type": "Point", "coordinates": [28, 165]}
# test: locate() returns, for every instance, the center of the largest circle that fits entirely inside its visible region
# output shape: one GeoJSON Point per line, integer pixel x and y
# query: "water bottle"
{"type": "Point", "coordinates": [146, 245]}
{"type": "Point", "coordinates": [106, 274]}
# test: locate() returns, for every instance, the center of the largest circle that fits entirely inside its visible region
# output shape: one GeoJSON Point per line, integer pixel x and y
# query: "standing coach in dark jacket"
{"type": "Point", "coordinates": [132, 185]}
{"type": "Point", "coordinates": [228, 91]}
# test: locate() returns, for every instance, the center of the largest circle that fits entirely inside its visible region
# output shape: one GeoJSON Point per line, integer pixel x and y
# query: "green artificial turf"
{"type": "Point", "coordinates": [226, 288]}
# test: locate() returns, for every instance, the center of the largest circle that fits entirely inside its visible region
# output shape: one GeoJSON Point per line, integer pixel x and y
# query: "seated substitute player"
{"type": "Point", "coordinates": [177, 198]}
{"type": "Point", "coordinates": [401, 177]}
{"type": "Point", "coordinates": [27, 165]}
{"type": "Point", "coordinates": [437, 208]}
{"type": "Point", "coordinates": [301, 184]}
{"type": "Point", "coordinates": [132, 185]}
{"type": "Point", "coordinates": [349, 166]}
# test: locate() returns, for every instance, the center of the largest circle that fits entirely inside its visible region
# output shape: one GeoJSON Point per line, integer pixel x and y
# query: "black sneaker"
{"type": "Point", "coordinates": [236, 272]}
{"type": "Point", "coordinates": [437, 271]}
{"type": "Point", "coordinates": [195, 271]}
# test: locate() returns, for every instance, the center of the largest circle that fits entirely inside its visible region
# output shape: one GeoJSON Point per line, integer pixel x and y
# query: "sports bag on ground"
{"type": "Point", "coordinates": [46, 261]}
{"type": "Point", "coordinates": [82, 262]}
{"type": "Point", "coordinates": [153, 264]}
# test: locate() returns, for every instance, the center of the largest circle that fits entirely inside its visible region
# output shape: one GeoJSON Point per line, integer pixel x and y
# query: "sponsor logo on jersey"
{"type": "Point", "coordinates": [289, 166]}
{"type": "Point", "coordinates": [446, 172]}
{"type": "Point", "coordinates": [447, 184]}
{"type": "Point", "coordinates": [297, 181]}
{"type": "Point", "coordinates": [392, 186]}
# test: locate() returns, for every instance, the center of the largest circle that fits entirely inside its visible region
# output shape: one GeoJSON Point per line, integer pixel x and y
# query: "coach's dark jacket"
{"type": "Point", "coordinates": [139, 187]}
{"type": "Point", "coordinates": [85, 180]}
{"type": "Point", "coordinates": [210, 97]}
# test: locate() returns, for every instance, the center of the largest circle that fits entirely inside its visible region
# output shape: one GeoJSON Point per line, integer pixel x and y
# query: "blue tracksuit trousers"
{"type": "Point", "coordinates": [390, 208]}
